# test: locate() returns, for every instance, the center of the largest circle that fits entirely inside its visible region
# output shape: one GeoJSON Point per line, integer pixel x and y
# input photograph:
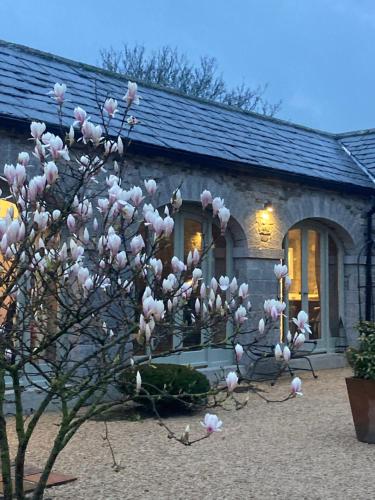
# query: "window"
{"type": "Point", "coordinates": [314, 259]}
{"type": "Point", "coordinates": [192, 231]}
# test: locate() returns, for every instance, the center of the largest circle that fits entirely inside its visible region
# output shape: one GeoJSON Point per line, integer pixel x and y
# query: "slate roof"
{"type": "Point", "coordinates": [172, 121]}
{"type": "Point", "coordinates": [361, 146]}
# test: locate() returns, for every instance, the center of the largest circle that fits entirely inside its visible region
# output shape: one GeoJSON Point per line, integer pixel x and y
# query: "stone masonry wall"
{"type": "Point", "coordinates": [258, 242]}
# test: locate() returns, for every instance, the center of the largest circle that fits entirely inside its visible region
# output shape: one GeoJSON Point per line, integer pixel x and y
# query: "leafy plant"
{"type": "Point", "coordinates": [170, 387]}
{"type": "Point", "coordinates": [362, 359]}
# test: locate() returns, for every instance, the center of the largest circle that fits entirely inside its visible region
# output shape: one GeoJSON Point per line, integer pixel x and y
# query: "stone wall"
{"type": "Point", "coordinates": [258, 242]}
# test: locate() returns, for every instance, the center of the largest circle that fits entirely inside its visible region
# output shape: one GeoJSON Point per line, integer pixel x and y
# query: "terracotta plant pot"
{"type": "Point", "coordinates": [362, 401]}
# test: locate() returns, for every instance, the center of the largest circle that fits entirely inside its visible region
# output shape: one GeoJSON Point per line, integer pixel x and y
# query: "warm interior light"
{"type": "Point", "coordinates": [265, 215]}
{"type": "Point", "coordinates": [268, 206]}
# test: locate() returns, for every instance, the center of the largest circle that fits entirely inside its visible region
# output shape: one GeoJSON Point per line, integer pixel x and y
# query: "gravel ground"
{"type": "Point", "coordinates": [302, 449]}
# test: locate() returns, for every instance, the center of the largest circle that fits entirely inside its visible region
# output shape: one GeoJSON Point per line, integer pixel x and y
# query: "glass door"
{"type": "Point", "coordinates": [192, 232]}
{"type": "Point", "coordinates": [314, 261]}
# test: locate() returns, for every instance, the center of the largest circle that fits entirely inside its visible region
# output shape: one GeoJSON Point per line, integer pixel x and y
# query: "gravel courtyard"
{"type": "Point", "coordinates": [302, 449]}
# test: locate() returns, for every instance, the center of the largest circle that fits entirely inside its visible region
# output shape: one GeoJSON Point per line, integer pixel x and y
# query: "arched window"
{"type": "Point", "coordinates": [196, 231]}
{"type": "Point", "coordinates": [315, 261]}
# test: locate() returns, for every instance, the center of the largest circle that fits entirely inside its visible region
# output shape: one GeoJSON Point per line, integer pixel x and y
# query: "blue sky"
{"type": "Point", "coordinates": [318, 56]}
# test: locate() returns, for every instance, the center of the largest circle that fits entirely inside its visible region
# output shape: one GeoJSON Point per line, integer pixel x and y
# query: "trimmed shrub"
{"type": "Point", "coordinates": [362, 360]}
{"type": "Point", "coordinates": [172, 387]}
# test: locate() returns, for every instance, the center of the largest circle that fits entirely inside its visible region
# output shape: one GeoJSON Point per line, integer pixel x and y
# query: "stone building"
{"type": "Point", "coordinates": [296, 194]}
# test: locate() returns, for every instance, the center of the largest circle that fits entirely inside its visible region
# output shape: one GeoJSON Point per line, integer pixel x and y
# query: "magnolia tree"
{"type": "Point", "coordinates": [85, 292]}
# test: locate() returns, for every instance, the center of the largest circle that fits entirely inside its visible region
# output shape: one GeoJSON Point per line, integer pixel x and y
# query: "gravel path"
{"type": "Point", "coordinates": [302, 449]}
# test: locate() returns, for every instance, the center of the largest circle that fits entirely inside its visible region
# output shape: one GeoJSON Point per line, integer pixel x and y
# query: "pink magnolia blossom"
{"type": "Point", "coordinates": [20, 175]}
{"type": "Point", "coordinates": [121, 259]}
{"type": "Point", "coordinates": [224, 283]}
{"type": "Point", "coordinates": [138, 383]}
{"type": "Point", "coordinates": [240, 315]}
{"type": "Point", "coordinates": [56, 147]}
{"type": "Point", "coordinates": [301, 322]}
{"type": "Point", "coordinates": [150, 186]}
{"type": "Point", "coordinates": [136, 244]}
{"type": "Point", "coordinates": [176, 200]}
{"type": "Point", "coordinates": [286, 354]}
{"type": "Point", "coordinates": [196, 257]}
{"type": "Point", "coordinates": [71, 223]}
{"type": "Point", "coordinates": [206, 198]}
{"type": "Point", "coordinates": [274, 308]}
{"type": "Point", "coordinates": [114, 243]}
{"type": "Point", "coordinates": [299, 340]}
{"type": "Point", "coordinates": [136, 195]}
{"type": "Point", "coordinates": [157, 267]}
{"type": "Point", "coordinates": [10, 173]}
{"type": "Point", "coordinates": [231, 381]}
{"type": "Point", "coordinates": [197, 274]}
{"type": "Point", "coordinates": [168, 225]}
{"type": "Point", "coordinates": [217, 203]}
{"type": "Point", "coordinates": [177, 265]}
{"type": "Point", "coordinates": [110, 106]}
{"type": "Point", "coordinates": [296, 386]}
{"type": "Point", "coordinates": [211, 423]}
{"type": "Point", "coordinates": [58, 92]}
{"type": "Point", "coordinates": [224, 216]}
{"type": "Point", "coordinates": [239, 352]}
{"type": "Point", "coordinates": [120, 146]}
{"type": "Point", "coordinates": [280, 271]}
{"type": "Point", "coordinates": [214, 284]}
{"type": "Point", "coordinates": [278, 352]}
{"type": "Point", "coordinates": [131, 96]}
{"type": "Point", "coordinates": [233, 287]}
{"type": "Point", "coordinates": [243, 291]}
{"type": "Point", "coordinates": [197, 306]}
{"type": "Point", "coordinates": [23, 158]}
{"type": "Point", "coordinates": [37, 129]}
{"type": "Point", "coordinates": [132, 120]}
{"type": "Point", "coordinates": [261, 326]}
{"type": "Point", "coordinates": [51, 172]}
{"type": "Point", "coordinates": [80, 116]}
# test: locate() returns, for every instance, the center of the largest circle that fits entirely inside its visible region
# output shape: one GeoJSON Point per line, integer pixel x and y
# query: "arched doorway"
{"type": "Point", "coordinates": [194, 230]}
{"type": "Point", "coordinates": [315, 260]}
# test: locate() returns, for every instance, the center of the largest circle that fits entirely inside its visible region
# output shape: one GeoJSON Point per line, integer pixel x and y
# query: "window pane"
{"type": "Point", "coordinates": [220, 269]}
{"type": "Point", "coordinates": [295, 272]}
{"type": "Point", "coordinates": [193, 239]}
{"type": "Point", "coordinates": [313, 280]}
{"type": "Point", "coordinates": [193, 236]}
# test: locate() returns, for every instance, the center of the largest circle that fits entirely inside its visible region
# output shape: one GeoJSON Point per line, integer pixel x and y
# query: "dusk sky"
{"type": "Point", "coordinates": [318, 56]}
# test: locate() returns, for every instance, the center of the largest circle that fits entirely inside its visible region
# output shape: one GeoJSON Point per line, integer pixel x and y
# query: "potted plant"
{"type": "Point", "coordinates": [361, 387]}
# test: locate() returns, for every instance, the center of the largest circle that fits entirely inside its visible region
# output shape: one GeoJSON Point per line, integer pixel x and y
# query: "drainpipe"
{"type": "Point", "coordinates": [369, 286]}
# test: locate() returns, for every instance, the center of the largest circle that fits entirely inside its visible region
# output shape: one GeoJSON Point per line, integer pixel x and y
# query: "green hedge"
{"type": "Point", "coordinates": [362, 360]}
{"type": "Point", "coordinates": [172, 387]}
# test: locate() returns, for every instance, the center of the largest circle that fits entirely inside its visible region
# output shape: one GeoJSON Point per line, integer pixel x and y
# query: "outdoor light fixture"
{"type": "Point", "coordinates": [268, 206]}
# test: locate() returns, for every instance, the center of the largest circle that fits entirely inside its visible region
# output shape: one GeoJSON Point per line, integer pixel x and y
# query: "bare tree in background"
{"type": "Point", "coordinates": [170, 68]}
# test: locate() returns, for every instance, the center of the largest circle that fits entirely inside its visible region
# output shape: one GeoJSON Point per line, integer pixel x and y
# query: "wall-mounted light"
{"type": "Point", "coordinates": [268, 206]}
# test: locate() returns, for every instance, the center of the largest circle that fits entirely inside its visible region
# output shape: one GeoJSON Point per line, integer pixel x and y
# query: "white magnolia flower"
{"type": "Point", "coordinates": [232, 381]}
{"type": "Point", "coordinates": [280, 271]}
{"type": "Point", "coordinates": [301, 322]}
{"type": "Point", "coordinates": [138, 382]}
{"type": "Point", "coordinates": [296, 386]}
{"type": "Point", "coordinates": [211, 423]}
{"type": "Point", "coordinates": [239, 351]}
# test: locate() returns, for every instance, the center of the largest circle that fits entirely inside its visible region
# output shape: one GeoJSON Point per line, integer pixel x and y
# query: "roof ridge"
{"type": "Point", "coordinates": [353, 157]}
{"type": "Point", "coordinates": [97, 69]}
{"type": "Point", "coordinates": [355, 133]}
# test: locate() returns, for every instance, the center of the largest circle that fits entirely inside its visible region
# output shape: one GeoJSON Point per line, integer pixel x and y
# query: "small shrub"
{"type": "Point", "coordinates": [362, 359]}
{"type": "Point", "coordinates": [172, 387]}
